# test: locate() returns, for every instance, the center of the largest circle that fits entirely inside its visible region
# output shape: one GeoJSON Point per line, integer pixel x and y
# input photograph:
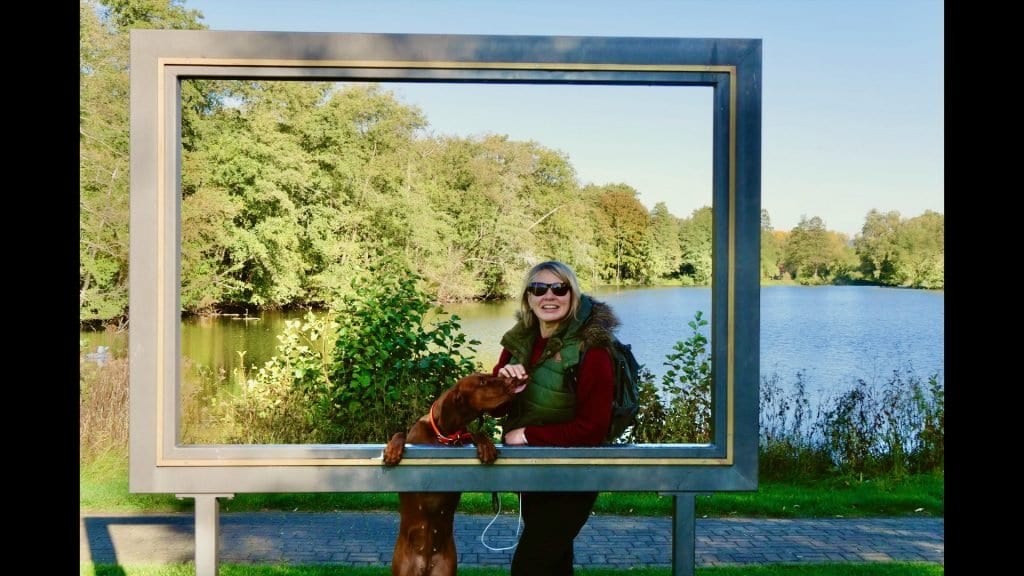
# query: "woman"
{"type": "Point", "coordinates": [555, 324]}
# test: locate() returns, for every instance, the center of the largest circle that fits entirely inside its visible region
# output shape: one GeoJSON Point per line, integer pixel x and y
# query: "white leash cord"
{"type": "Point", "coordinates": [518, 525]}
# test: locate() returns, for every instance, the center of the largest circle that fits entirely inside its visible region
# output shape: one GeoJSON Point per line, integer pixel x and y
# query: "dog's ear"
{"type": "Point", "coordinates": [464, 383]}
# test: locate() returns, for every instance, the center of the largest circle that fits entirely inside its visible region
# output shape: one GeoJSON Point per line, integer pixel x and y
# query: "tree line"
{"type": "Point", "coordinates": [289, 189]}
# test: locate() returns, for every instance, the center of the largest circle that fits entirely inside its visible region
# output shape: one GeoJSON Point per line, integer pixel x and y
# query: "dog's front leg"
{"type": "Point", "coordinates": [393, 451]}
{"type": "Point", "coordinates": [486, 451]}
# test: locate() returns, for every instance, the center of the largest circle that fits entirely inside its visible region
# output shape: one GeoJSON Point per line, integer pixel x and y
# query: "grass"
{"type": "Point", "coordinates": [829, 569]}
{"type": "Point", "coordinates": [103, 487]}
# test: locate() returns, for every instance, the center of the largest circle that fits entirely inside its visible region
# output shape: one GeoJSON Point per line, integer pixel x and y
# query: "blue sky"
{"type": "Point", "coordinates": [852, 115]}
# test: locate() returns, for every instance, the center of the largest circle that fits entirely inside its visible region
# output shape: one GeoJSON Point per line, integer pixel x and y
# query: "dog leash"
{"type": "Point", "coordinates": [519, 524]}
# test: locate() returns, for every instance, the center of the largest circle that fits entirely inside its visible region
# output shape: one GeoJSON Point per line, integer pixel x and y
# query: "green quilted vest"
{"type": "Point", "coordinates": [547, 399]}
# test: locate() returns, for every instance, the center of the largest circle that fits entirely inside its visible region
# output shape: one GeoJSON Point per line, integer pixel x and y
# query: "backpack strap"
{"type": "Point", "coordinates": [572, 376]}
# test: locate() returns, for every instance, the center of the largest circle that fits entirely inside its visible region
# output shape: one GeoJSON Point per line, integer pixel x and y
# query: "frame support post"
{"type": "Point", "coordinates": [207, 512]}
{"type": "Point", "coordinates": [684, 534]}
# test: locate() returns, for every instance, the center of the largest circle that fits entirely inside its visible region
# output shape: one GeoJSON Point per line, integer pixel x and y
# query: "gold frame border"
{"type": "Point", "coordinates": [161, 298]}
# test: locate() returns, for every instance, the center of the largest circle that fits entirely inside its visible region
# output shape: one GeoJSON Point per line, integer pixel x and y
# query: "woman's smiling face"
{"type": "Point", "coordinates": [549, 308]}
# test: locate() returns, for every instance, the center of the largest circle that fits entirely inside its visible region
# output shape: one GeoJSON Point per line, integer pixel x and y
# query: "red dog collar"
{"type": "Point", "coordinates": [454, 439]}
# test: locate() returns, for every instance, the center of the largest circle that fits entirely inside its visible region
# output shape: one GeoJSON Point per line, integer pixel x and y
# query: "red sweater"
{"type": "Point", "coordinates": [593, 402]}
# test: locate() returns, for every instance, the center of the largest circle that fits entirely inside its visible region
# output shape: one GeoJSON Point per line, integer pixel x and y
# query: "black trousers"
{"type": "Point", "coordinates": [551, 521]}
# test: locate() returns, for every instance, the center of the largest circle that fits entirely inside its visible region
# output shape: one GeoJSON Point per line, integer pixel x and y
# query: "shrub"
{"type": "Point", "coordinates": [360, 377]}
{"type": "Point", "coordinates": [387, 365]}
{"type": "Point", "coordinates": [650, 421]}
{"type": "Point", "coordinates": [680, 411]}
{"type": "Point", "coordinates": [688, 385]}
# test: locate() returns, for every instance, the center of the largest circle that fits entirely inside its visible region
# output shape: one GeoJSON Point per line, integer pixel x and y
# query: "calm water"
{"type": "Point", "coordinates": [834, 334]}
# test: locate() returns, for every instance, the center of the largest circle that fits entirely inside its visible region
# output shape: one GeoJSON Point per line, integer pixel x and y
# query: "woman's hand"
{"type": "Point", "coordinates": [516, 437]}
{"type": "Point", "coordinates": [517, 371]}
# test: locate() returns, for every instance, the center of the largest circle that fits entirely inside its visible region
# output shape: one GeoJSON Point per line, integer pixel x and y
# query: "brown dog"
{"type": "Point", "coordinates": [426, 545]}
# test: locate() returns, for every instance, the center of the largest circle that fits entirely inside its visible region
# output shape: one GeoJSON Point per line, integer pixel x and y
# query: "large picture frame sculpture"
{"type": "Point", "coordinates": [162, 59]}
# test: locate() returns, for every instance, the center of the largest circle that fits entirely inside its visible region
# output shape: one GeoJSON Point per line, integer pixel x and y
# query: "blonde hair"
{"type": "Point", "coordinates": [564, 274]}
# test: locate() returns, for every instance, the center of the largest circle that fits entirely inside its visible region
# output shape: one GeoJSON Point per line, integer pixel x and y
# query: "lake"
{"type": "Point", "coordinates": [833, 334]}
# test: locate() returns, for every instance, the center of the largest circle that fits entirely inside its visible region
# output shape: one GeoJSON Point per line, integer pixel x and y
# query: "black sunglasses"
{"type": "Point", "coordinates": [540, 288]}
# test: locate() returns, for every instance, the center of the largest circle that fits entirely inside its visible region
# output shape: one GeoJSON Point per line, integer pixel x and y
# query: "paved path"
{"type": "Point", "coordinates": [361, 539]}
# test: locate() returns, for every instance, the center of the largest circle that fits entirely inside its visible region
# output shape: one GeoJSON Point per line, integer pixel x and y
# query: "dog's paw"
{"type": "Point", "coordinates": [394, 449]}
{"type": "Point", "coordinates": [486, 451]}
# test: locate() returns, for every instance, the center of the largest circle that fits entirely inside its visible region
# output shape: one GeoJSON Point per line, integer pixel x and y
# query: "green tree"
{"type": "Point", "coordinates": [364, 201]}
{"type": "Point", "coordinates": [695, 243]}
{"type": "Point", "coordinates": [666, 255]}
{"type": "Point", "coordinates": [922, 248]}
{"type": "Point", "coordinates": [771, 250]}
{"type": "Point", "coordinates": [103, 145]}
{"type": "Point", "coordinates": [316, 182]}
{"type": "Point", "coordinates": [622, 233]}
{"type": "Point", "coordinates": [876, 246]}
{"type": "Point", "coordinates": [253, 156]}
{"type": "Point", "coordinates": [150, 14]}
{"type": "Point", "coordinates": [842, 259]}
{"type": "Point", "coordinates": [807, 251]}
{"type": "Point", "coordinates": [559, 219]}
{"type": "Point", "coordinates": [478, 188]}
{"type": "Point", "coordinates": [897, 252]}
{"type": "Point", "coordinates": [102, 167]}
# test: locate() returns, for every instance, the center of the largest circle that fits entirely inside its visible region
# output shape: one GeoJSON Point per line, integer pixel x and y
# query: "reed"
{"type": "Point", "coordinates": [102, 407]}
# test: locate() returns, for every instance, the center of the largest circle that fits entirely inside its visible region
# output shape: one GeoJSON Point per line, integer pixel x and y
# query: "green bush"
{"type": "Point", "coordinates": [388, 365]}
{"type": "Point", "coordinates": [679, 410]}
{"type": "Point", "coordinates": [651, 416]}
{"type": "Point", "coordinates": [359, 374]}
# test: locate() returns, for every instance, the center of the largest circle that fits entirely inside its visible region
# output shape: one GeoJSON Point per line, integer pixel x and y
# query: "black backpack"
{"type": "Point", "coordinates": [626, 394]}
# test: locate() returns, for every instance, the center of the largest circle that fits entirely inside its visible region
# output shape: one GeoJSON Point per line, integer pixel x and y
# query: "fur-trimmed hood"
{"type": "Point", "coordinates": [600, 327]}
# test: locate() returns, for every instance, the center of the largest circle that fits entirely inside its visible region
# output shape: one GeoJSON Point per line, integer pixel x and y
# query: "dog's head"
{"type": "Point", "coordinates": [484, 392]}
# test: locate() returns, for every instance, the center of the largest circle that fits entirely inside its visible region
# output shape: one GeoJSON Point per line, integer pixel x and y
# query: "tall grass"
{"type": "Point", "coordinates": [894, 427]}
{"type": "Point", "coordinates": [102, 407]}
{"type": "Point", "coordinates": [891, 427]}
